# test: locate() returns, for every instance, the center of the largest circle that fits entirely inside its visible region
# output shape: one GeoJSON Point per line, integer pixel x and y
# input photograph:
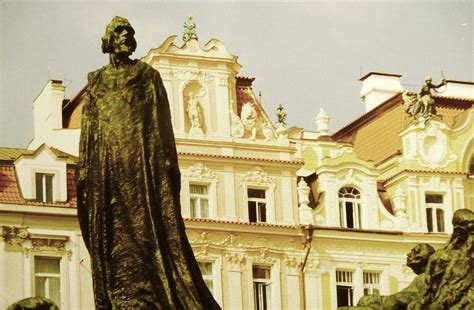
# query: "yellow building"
{"type": "Point", "coordinates": [370, 191]}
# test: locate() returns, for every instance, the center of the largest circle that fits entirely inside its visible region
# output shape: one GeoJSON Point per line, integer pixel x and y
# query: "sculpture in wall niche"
{"type": "Point", "coordinates": [194, 96]}
{"type": "Point", "coordinates": [194, 110]}
{"type": "Point", "coordinates": [249, 119]}
{"type": "Point", "coordinates": [420, 106]}
{"type": "Point", "coordinates": [444, 280]}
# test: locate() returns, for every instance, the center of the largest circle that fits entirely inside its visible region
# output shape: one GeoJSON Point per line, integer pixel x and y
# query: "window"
{"type": "Point", "coordinates": [257, 205]}
{"type": "Point", "coordinates": [44, 187]}
{"type": "Point", "coordinates": [349, 207]}
{"type": "Point", "coordinates": [47, 278]}
{"type": "Point", "coordinates": [199, 200]}
{"type": "Point", "coordinates": [345, 288]}
{"type": "Point", "coordinates": [434, 212]}
{"type": "Point", "coordinates": [371, 283]}
{"type": "Point", "coordinates": [206, 271]}
{"type": "Point", "coordinates": [261, 287]}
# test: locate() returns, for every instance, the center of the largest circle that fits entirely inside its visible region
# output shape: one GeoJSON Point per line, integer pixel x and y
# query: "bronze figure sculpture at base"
{"type": "Point", "coordinates": [128, 187]}
{"type": "Point", "coordinates": [445, 278]}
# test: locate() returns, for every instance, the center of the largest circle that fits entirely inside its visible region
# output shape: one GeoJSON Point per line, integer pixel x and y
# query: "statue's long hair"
{"type": "Point", "coordinates": [108, 38]}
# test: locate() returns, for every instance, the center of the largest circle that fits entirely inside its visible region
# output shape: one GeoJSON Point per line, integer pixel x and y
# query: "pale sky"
{"type": "Point", "coordinates": [304, 55]}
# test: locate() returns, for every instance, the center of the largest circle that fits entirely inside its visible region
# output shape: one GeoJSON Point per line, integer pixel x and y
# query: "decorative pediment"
{"type": "Point", "coordinates": [257, 175]}
{"type": "Point", "coordinates": [212, 49]}
{"type": "Point", "coordinates": [200, 172]}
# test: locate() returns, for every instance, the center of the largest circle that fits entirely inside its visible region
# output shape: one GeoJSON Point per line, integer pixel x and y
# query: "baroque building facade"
{"type": "Point", "coordinates": [251, 189]}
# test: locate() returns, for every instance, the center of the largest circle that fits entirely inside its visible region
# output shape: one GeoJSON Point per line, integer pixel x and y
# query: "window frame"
{"type": "Point", "coordinates": [188, 179]}
{"type": "Point", "coordinates": [371, 286]}
{"type": "Point", "coordinates": [44, 186]}
{"type": "Point", "coordinates": [199, 198]}
{"type": "Point", "coordinates": [30, 276]}
{"type": "Point", "coordinates": [264, 283]}
{"type": "Point", "coordinates": [345, 284]}
{"type": "Point", "coordinates": [434, 207]}
{"type": "Point", "coordinates": [356, 207]}
{"type": "Point", "coordinates": [258, 204]}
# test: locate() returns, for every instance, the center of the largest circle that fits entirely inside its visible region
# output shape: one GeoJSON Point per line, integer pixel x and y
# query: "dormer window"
{"type": "Point", "coordinates": [44, 187]}
{"type": "Point", "coordinates": [349, 207]}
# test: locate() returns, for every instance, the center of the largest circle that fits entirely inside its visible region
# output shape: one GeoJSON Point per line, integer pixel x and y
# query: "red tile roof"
{"type": "Point", "coordinates": [375, 134]}
{"type": "Point", "coordinates": [10, 190]}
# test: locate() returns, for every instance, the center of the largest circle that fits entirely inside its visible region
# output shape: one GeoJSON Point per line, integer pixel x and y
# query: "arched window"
{"type": "Point", "coordinates": [349, 207]}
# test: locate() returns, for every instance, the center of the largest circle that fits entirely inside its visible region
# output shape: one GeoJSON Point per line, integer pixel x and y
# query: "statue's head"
{"type": "Point", "coordinates": [463, 225]}
{"type": "Point", "coordinates": [118, 38]}
{"type": "Point", "coordinates": [429, 79]}
{"type": "Point", "coordinates": [418, 257]}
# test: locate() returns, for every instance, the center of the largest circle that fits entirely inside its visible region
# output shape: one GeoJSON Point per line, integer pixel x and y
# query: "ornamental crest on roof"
{"type": "Point", "coordinates": [189, 29]}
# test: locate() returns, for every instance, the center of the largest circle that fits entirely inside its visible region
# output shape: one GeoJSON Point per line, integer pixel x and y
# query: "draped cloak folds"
{"type": "Point", "coordinates": [128, 185]}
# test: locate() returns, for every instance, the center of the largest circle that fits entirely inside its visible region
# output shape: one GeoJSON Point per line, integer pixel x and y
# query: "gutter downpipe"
{"type": "Point", "coordinates": [308, 231]}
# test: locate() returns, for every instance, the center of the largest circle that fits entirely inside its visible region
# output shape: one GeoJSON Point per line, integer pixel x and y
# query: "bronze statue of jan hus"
{"type": "Point", "coordinates": [128, 185]}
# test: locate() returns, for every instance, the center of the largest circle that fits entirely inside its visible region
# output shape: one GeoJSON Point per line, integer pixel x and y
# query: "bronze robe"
{"type": "Point", "coordinates": [128, 195]}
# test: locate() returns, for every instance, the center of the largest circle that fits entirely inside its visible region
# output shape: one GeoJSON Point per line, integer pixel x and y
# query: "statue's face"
{"type": "Point", "coordinates": [123, 40]}
{"type": "Point", "coordinates": [417, 257]}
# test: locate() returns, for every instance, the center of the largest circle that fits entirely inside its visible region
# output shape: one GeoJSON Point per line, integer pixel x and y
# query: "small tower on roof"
{"type": "Point", "coordinates": [189, 30]}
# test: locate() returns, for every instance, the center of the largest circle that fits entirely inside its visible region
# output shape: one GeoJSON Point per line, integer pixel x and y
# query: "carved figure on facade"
{"type": "Point", "coordinates": [189, 29]}
{"type": "Point", "coordinates": [194, 111]}
{"type": "Point", "coordinates": [14, 236]}
{"type": "Point", "coordinates": [249, 119]}
{"type": "Point", "coordinates": [237, 128]}
{"type": "Point", "coordinates": [257, 175]}
{"type": "Point", "coordinates": [420, 106]}
{"type": "Point", "coordinates": [199, 171]}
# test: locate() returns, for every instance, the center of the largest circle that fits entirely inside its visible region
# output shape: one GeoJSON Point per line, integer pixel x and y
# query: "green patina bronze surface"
{"type": "Point", "coordinates": [34, 303]}
{"type": "Point", "coordinates": [445, 278]}
{"type": "Point", "coordinates": [128, 188]}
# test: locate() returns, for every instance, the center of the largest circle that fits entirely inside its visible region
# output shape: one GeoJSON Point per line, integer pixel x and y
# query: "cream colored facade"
{"type": "Point", "coordinates": [242, 196]}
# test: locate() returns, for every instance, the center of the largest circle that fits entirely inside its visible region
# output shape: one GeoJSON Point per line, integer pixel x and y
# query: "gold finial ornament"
{"type": "Point", "coordinates": [189, 29]}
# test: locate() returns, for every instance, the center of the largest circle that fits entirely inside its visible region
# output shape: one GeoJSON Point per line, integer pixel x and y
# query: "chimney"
{"type": "Point", "coordinates": [459, 89]}
{"type": "Point", "coordinates": [47, 109]}
{"type": "Point", "coordinates": [378, 87]}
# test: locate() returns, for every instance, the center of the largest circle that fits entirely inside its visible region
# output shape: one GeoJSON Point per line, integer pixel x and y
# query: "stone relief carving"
{"type": "Point", "coordinates": [249, 119]}
{"type": "Point", "coordinates": [190, 74]}
{"type": "Point", "coordinates": [267, 131]}
{"type": "Point", "coordinates": [14, 237]}
{"type": "Point", "coordinates": [434, 146]}
{"type": "Point", "coordinates": [257, 175]}
{"type": "Point", "coordinates": [199, 171]}
{"type": "Point", "coordinates": [56, 245]}
{"type": "Point", "coordinates": [237, 128]}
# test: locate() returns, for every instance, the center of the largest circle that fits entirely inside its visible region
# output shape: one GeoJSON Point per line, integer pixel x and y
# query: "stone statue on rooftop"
{"type": "Point", "coordinates": [420, 106]}
{"type": "Point", "coordinates": [281, 115]}
{"type": "Point", "coordinates": [189, 29]}
{"type": "Point", "coordinates": [128, 188]}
